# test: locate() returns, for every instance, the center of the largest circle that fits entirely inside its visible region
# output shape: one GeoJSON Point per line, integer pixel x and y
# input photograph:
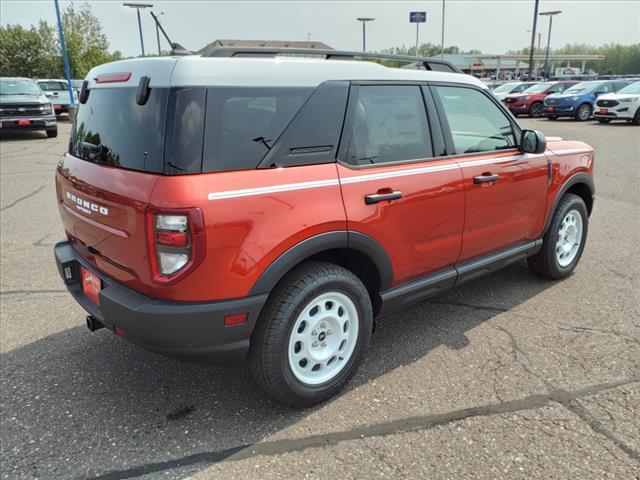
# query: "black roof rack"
{"type": "Point", "coordinates": [428, 63]}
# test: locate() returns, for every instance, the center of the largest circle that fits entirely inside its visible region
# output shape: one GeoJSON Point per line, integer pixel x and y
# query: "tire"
{"type": "Point", "coordinates": [603, 120]}
{"type": "Point", "coordinates": [288, 342]}
{"type": "Point", "coordinates": [583, 113]}
{"type": "Point", "coordinates": [549, 261]}
{"type": "Point", "coordinates": [636, 117]}
{"type": "Point", "coordinates": [52, 133]}
{"type": "Point", "coordinates": [535, 111]}
{"type": "Point", "coordinates": [552, 117]}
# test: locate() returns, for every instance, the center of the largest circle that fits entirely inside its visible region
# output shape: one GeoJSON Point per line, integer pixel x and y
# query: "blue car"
{"type": "Point", "coordinates": [577, 101]}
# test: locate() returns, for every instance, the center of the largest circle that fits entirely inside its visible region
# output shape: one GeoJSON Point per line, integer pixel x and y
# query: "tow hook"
{"type": "Point", "coordinates": [93, 323]}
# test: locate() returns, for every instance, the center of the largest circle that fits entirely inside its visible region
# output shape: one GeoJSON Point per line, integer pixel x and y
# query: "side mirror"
{"type": "Point", "coordinates": [533, 141]}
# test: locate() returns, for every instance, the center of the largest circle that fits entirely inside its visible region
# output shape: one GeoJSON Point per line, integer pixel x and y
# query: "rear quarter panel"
{"type": "Point", "coordinates": [251, 218]}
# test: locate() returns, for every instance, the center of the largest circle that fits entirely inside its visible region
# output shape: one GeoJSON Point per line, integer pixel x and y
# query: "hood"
{"type": "Point", "coordinates": [13, 99]}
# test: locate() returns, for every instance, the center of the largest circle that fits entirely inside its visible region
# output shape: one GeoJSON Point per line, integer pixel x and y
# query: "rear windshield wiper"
{"type": "Point", "coordinates": [96, 150]}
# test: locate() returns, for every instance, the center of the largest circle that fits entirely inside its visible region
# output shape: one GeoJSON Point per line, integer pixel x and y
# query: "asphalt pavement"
{"type": "Point", "coordinates": [509, 376]}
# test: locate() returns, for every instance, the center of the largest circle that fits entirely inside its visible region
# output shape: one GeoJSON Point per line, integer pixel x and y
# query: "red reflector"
{"type": "Point", "coordinates": [235, 319]}
{"type": "Point", "coordinates": [120, 331]}
{"type": "Point", "coordinates": [172, 239]}
{"type": "Point", "coordinates": [113, 77]}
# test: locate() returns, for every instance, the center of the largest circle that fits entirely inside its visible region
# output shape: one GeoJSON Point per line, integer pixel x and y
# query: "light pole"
{"type": "Point", "coordinates": [65, 58]}
{"type": "Point", "coordinates": [533, 38]}
{"type": "Point", "coordinates": [138, 6]}
{"type": "Point", "coordinates": [442, 40]}
{"type": "Point", "coordinates": [546, 56]}
{"type": "Point", "coordinates": [534, 63]}
{"type": "Point", "coordinates": [308, 37]}
{"type": "Point", "coordinates": [364, 21]}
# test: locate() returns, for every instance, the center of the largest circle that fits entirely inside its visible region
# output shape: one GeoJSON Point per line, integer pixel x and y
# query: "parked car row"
{"type": "Point", "coordinates": [604, 100]}
{"type": "Point", "coordinates": [27, 104]}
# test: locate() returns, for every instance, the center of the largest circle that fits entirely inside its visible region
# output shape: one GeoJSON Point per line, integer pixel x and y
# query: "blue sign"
{"type": "Point", "coordinates": [417, 17]}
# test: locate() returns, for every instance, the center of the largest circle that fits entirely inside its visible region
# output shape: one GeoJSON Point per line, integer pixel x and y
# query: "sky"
{"type": "Point", "coordinates": [491, 26]}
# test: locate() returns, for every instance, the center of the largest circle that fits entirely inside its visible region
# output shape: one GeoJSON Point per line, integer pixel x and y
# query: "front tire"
{"type": "Point", "coordinates": [312, 334]}
{"type": "Point", "coordinates": [583, 113]}
{"type": "Point", "coordinates": [535, 111]}
{"type": "Point", "coordinates": [563, 241]}
{"type": "Point", "coordinates": [636, 117]}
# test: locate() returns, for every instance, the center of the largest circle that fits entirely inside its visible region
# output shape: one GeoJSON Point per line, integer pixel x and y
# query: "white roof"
{"type": "Point", "coordinates": [262, 71]}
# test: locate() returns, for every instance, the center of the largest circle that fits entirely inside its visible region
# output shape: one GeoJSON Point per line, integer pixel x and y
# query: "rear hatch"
{"type": "Point", "coordinates": [115, 159]}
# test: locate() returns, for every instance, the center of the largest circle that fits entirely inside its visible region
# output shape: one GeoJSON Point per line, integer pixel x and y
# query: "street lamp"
{"type": "Point", "coordinates": [364, 21]}
{"type": "Point", "coordinates": [533, 38]}
{"type": "Point", "coordinates": [534, 62]}
{"type": "Point", "coordinates": [546, 57]}
{"type": "Point", "coordinates": [138, 6]}
{"type": "Point", "coordinates": [442, 40]}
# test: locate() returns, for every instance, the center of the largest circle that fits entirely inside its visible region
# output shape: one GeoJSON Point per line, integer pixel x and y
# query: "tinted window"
{"type": "Point", "coordinates": [313, 135]}
{"type": "Point", "coordinates": [244, 123]}
{"type": "Point", "coordinates": [476, 123]}
{"type": "Point", "coordinates": [184, 140]}
{"type": "Point", "coordinates": [111, 128]}
{"type": "Point", "coordinates": [389, 124]}
{"type": "Point", "coordinates": [53, 85]}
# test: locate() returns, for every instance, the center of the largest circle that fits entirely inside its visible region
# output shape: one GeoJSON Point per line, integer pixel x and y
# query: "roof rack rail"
{"type": "Point", "coordinates": [428, 63]}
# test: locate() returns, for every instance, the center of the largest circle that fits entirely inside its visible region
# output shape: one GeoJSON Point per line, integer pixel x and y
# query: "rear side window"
{"type": "Point", "coordinates": [476, 123]}
{"type": "Point", "coordinates": [243, 123]}
{"type": "Point", "coordinates": [389, 124]}
{"type": "Point", "coordinates": [112, 129]}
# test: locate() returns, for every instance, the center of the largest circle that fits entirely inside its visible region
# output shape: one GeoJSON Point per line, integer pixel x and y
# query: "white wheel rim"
{"type": "Point", "coordinates": [569, 238]}
{"type": "Point", "coordinates": [323, 338]}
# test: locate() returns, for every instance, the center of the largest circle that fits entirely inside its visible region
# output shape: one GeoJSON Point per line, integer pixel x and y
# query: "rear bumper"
{"type": "Point", "coordinates": [187, 330]}
{"type": "Point", "coordinates": [35, 123]}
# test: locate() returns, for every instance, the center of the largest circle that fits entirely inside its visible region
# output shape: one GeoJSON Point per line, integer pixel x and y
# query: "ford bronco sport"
{"type": "Point", "coordinates": [269, 208]}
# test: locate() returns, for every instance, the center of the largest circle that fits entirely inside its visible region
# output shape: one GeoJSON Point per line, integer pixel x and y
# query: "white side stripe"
{"type": "Point", "coordinates": [569, 151]}
{"type": "Point", "coordinates": [273, 189]}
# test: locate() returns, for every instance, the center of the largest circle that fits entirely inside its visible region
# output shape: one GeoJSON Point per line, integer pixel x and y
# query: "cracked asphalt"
{"type": "Point", "coordinates": [508, 377]}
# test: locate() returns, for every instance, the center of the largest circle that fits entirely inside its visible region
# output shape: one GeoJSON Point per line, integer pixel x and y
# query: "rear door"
{"type": "Point", "coordinates": [394, 189]}
{"type": "Point", "coordinates": [505, 190]}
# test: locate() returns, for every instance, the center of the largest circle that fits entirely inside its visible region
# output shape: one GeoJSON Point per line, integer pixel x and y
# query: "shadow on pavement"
{"type": "Point", "coordinates": [77, 404]}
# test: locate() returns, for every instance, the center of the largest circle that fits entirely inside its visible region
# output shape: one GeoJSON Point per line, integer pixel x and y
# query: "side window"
{"type": "Point", "coordinates": [389, 125]}
{"type": "Point", "coordinates": [476, 123]}
{"type": "Point", "coordinates": [243, 123]}
{"type": "Point", "coordinates": [559, 88]}
{"type": "Point", "coordinates": [606, 88]}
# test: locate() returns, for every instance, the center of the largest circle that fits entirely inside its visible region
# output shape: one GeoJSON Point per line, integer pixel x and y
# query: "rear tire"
{"type": "Point", "coordinates": [52, 133]}
{"type": "Point", "coordinates": [535, 111]}
{"type": "Point", "coordinates": [312, 334]}
{"type": "Point", "coordinates": [583, 113]}
{"type": "Point", "coordinates": [563, 241]}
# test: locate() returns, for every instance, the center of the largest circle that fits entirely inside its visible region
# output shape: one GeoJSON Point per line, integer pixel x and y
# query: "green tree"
{"type": "Point", "coordinates": [35, 52]}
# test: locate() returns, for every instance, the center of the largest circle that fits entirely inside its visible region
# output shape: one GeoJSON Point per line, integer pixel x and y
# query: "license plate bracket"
{"type": "Point", "coordinates": [603, 111]}
{"type": "Point", "coordinates": [24, 122]}
{"type": "Point", "coordinates": [91, 285]}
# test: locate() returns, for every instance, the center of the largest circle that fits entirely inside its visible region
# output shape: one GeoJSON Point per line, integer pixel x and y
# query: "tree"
{"type": "Point", "coordinates": [35, 52]}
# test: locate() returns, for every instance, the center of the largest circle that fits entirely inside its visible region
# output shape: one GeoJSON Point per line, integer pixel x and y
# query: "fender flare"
{"type": "Point", "coordinates": [580, 177]}
{"type": "Point", "coordinates": [321, 243]}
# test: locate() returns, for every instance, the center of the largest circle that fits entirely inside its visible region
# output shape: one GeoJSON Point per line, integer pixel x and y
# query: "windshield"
{"type": "Point", "coordinates": [53, 85]}
{"type": "Point", "coordinates": [584, 87]}
{"type": "Point", "coordinates": [634, 88]}
{"type": "Point", "coordinates": [19, 87]}
{"type": "Point", "coordinates": [540, 87]}
{"type": "Point", "coordinates": [506, 88]}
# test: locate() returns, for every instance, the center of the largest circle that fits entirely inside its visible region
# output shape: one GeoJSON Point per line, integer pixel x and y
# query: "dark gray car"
{"type": "Point", "coordinates": [23, 106]}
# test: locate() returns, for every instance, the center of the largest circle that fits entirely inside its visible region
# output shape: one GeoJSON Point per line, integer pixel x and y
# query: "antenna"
{"type": "Point", "coordinates": [176, 48]}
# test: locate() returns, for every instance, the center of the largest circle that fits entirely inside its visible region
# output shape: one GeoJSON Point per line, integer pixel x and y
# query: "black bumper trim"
{"type": "Point", "coordinates": [188, 330]}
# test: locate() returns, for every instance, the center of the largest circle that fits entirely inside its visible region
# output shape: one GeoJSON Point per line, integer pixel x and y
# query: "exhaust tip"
{"type": "Point", "coordinates": [93, 323]}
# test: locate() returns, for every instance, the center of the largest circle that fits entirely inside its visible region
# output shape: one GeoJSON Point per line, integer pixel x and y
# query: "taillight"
{"type": "Point", "coordinates": [176, 241]}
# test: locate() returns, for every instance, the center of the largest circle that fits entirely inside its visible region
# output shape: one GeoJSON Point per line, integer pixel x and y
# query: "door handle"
{"type": "Point", "coordinates": [487, 177]}
{"type": "Point", "coordinates": [381, 197]}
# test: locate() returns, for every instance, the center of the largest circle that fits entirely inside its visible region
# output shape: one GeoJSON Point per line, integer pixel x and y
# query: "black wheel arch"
{"type": "Point", "coordinates": [347, 248]}
{"type": "Point", "coordinates": [580, 184]}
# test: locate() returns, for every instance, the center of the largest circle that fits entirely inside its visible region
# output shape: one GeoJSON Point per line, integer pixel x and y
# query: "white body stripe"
{"type": "Point", "coordinates": [289, 187]}
{"type": "Point", "coordinates": [568, 151]}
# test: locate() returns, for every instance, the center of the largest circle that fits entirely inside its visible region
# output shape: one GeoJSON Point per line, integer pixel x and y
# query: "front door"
{"type": "Point", "coordinates": [393, 189]}
{"type": "Point", "coordinates": [505, 189]}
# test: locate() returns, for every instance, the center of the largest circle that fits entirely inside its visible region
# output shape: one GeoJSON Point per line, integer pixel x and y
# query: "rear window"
{"type": "Point", "coordinates": [48, 86]}
{"type": "Point", "coordinates": [112, 129]}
